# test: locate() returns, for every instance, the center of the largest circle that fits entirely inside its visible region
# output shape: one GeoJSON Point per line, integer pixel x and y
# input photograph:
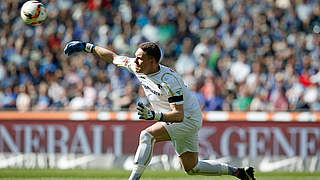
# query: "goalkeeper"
{"type": "Point", "coordinates": [176, 112]}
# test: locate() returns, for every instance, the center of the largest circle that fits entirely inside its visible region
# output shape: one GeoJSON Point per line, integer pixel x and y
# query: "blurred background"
{"type": "Point", "coordinates": [237, 56]}
{"type": "Point", "coordinates": [255, 55]}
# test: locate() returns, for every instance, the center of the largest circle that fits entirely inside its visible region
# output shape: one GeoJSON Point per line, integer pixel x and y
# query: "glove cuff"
{"type": "Point", "coordinates": [89, 47]}
{"type": "Point", "coordinates": [158, 116]}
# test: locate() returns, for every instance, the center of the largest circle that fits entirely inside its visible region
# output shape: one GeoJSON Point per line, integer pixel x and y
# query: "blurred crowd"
{"type": "Point", "coordinates": [235, 55]}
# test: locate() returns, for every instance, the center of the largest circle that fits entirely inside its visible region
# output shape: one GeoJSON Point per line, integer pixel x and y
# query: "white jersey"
{"type": "Point", "coordinates": [163, 88]}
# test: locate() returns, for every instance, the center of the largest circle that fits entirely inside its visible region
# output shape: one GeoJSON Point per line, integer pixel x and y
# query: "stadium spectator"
{"type": "Point", "coordinates": [186, 61]}
{"type": "Point", "coordinates": [23, 99]}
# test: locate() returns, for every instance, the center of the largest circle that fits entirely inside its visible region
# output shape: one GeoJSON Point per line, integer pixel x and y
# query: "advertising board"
{"type": "Point", "coordinates": [235, 139]}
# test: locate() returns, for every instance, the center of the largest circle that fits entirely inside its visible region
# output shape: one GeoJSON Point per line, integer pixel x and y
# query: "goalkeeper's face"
{"type": "Point", "coordinates": [144, 63]}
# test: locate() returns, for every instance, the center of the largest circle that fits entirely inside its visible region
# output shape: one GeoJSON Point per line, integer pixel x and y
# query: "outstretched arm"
{"type": "Point", "coordinates": [78, 46]}
{"type": "Point", "coordinates": [104, 54]}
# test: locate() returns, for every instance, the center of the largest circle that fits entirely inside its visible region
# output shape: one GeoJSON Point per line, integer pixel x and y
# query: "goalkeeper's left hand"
{"type": "Point", "coordinates": [78, 46]}
{"type": "Point", "coordinates": [148, 114]}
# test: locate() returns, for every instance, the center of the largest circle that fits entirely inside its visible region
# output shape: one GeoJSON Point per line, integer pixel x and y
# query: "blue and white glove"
{"type": "Point", "coordinates": [78, 46]}
{"type": "Point", "coordinates": [148, 114]}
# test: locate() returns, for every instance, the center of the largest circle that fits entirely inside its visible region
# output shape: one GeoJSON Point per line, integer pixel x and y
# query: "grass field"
{"type": "Point", "coordinates": [117, 174]}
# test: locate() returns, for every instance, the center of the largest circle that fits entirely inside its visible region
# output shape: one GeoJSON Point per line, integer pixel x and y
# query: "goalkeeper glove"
{"type": "Point", "coordinates": [78, 46]}
{"type": "Point", "coordinates": [148, 114]}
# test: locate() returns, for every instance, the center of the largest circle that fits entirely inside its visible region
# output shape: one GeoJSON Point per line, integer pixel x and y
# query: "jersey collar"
{"type": "Point", "coordinates": [155, 73]}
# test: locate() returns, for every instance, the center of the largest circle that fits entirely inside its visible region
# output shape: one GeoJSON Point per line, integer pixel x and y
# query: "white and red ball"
{"type": "Point", "coordinates": [33, 13]}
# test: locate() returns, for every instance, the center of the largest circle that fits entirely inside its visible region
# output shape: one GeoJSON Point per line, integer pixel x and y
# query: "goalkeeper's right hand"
{"type": "Point", "coordinates": [78, 46]}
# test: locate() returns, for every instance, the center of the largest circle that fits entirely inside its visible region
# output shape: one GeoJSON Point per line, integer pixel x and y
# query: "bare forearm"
{"type": "Point", "coordinates": [173, 116]}
{"type": "Point", "coordinates": [104, 54]}
{"type": "Point", "coordinates": [176, 115]}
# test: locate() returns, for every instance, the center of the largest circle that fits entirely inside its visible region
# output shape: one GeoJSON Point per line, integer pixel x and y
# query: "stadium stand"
{"type": "Point", "coordinates": [255, 55]}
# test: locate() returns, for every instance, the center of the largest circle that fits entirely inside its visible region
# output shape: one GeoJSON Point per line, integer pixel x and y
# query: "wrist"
{"type": "Point", "coordinates": [158, 116]}
{"type": "Point", "coordinates": [89, 47]}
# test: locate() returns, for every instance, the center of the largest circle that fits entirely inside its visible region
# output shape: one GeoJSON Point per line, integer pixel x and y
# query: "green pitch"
{"type": "Point", "coordinates": [118, 174]}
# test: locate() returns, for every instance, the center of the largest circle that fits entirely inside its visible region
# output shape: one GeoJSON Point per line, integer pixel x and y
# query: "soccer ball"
{"type": "Point", "coordinates": [33, 13]}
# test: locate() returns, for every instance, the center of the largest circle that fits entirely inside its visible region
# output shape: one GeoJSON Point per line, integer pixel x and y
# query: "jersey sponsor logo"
{"type": "Point", "coordinates": [151, 90]}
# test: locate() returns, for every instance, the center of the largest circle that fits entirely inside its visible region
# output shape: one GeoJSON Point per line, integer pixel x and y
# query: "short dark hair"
{"type": "Point", "coordinates": [152, 49]}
